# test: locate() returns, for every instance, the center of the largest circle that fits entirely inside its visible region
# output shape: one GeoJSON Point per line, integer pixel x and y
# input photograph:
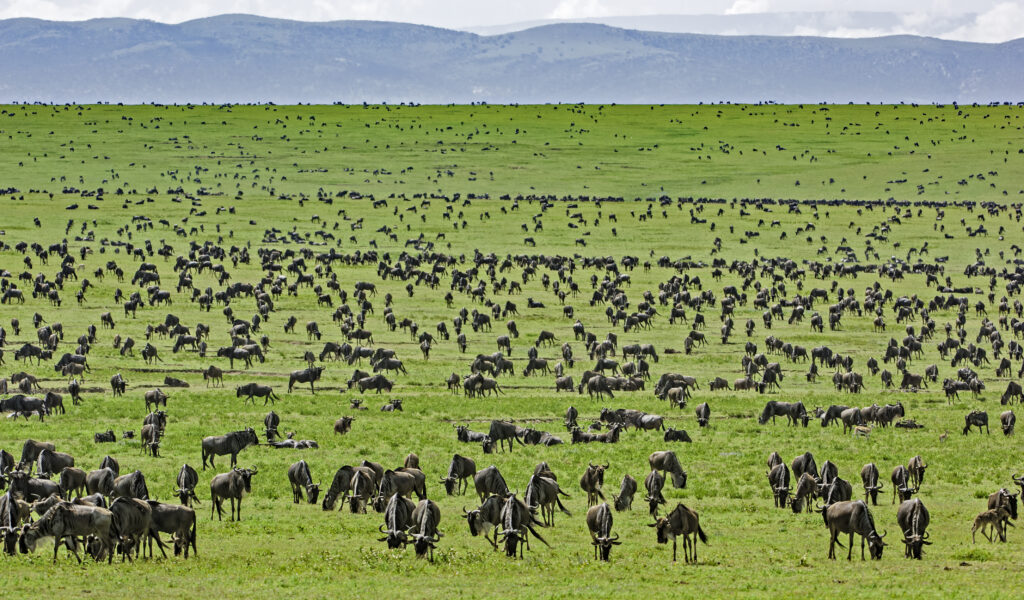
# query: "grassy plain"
{"type": "Point", "coordinates": [270, 163]}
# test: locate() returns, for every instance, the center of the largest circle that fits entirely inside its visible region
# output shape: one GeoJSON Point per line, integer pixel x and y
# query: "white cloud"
{"type": "Point", "coordinates": [1004, 21]}
{"type": "Point", "coordinates": [576, 9]}
{"type": "Point", "coordinates": [743, 7]}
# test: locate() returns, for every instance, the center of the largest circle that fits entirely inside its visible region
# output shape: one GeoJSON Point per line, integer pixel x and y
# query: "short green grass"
{"type": "Point", "coordinates": [270, 163]}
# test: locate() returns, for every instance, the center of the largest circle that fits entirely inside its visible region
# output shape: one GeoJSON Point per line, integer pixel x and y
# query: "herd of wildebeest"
{"type": "Point", "coordinates": [51, 497]}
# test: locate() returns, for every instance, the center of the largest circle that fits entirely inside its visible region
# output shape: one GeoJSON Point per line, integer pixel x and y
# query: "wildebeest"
{"type": "Point", "coordinates": [179, 521]}
{"type": "Point", "coordinates": [72, 479]}
{"type": "Point", "coordinates": [666, 460]}
{"type": "Point", "coordinates": [682, 521]}
{"type": "Point", "coordinates": [853, 517]}
{"type": "Point", "coordinates": [901, 484]}
{"type": "Point", "coordinates": [996, 519]}
{"type": "Point", "coordinates": [976, 418]}
{"type": "Point", "coordinates": [869, 477]}
{"type": "Point", "coordinates": [912, 517]}
{"type": "Point", "coordinates": [517, 521]}
{"type": "Point", "coordinates": [230, 443]}
{"type": "Point", "coordinates": [423, 528]}
{"type": "Point", "coordinates": [676, 435]}
{"type": "Point", "coordinates": [340, 487]}
{"type": "Point", "coordinates": [488, 515]}
{"type": "Point", "coordinates": [132, 485]}
{"type": "Point", "coordinates": [503, 432]}
{"type": "Point", "coordinates": [343, 425]}
{"type": "Point", "coordinates": [591, 482]}
{"type": "Point", "coordinates": [459, 472]}
{"type": "Point", "coordinates": [251, 391]}
{"type": "Point", "coordinates": [489, 481]}
{"type": "Point", "coordinates": [542, 493]}
{"type": "Point", "coordinates": [624, 499]}
{"type": "Point", "coordinates": [778, 479]}
{"type": "Point", "coordinates": [50, 462]}
{"type": "Point", "coordinates": [1008, 421]}
{"type": "Point", "coordinates": [132, 518]}
{"type": "Point", "coordinates": [233, 485]}
{"type": "Point", "coordinates": [66, 520]}
{"type": "Point", "coordinates": [703, 412]}
{"type": "Point", "coordinates": [599, 522]}
{"type": "Point", "coordinates": [397, 519]}
{"type": "Point", "coordinates": [187, 480]}
{"type": "Point", "coordinates": [302, 481]}
{"type": "Point", "coordinates": [915, 469]}
{"type": "Point", "coordinates": [794, 411]}
{"type": "Point", "coordinates": [308, 375]}
{"type": "Point", "coordinates": [654, 482]}
{"type": "Point", "coordinates": [155, 398]}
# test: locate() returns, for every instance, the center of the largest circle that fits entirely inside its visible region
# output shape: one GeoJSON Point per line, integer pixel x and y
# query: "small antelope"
{"type": "Point", "coordinates": [991, 518]}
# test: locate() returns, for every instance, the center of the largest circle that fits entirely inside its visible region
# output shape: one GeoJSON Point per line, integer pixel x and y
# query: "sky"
{"type": "Point", "coordinates": [993, 20]}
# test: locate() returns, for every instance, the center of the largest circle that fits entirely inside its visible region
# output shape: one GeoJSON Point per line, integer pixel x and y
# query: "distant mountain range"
{"type": "Point", "coordinates": [241, 58]}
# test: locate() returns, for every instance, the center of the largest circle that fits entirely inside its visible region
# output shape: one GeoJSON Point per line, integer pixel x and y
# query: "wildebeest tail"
{"type": "Point", "coordinates": [562, 508]}
{"type": "Point", "coordinates": [701, 534]}
{"type": "Point", "coordinates": [537, 535]}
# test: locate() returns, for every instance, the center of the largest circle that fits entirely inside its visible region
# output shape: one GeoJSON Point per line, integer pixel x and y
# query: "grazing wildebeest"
{"type": "Point", "coordinates": [251, 391]}
{"type": "Point", "coordinates": [682, 521]}
{"type": "Point", "coordinates": [397, 519]}
{"type": "Point", "coordinates": [912, 517]}
{"type": "Point", "coordinates": [179, 521]}
{"type": "Point", "coordinates": [654, 482]}
{"type": "Point", "coordinates": [599, 522]}
{"type": "Point", "coordinates": [233, 485]}
{"type": "Point", "coordinates": [423, 528]}
{"type": "Point", "coordinates": [118, 385]}
{"type": "Point", "coordinates": [703, 412]}
{"type": "Point", "coordinates": [517, 521]}
{"type": "Point", "coordinates": [624, 499]}
{"type": "Point", "coordinates": [1008, 421]}
{"type": "Point", "coordinates": [187, 481]}
{"type": "Point", "coordinates": [340, 487]}
{"type": "Point", "coordinates": [901, 484]}
{"type": "Point", "coordinates": [67, 520]}
{"type": "Point", "coordinates": [778, 479]}
{"type": "Point", "coordinates": [869, 477]}
{"type": "Point", "coordinates": [806, 490]}
{"type": "Point", "coordinates": [30, 453]}
{"type": "Point", "coordinates": [853, 517]}
{"type": "Point", "coordinates": [302, 480]}
{"type": "Point", "coordinates": [976, 418]}
{"type": "Point", "coordinates": [489, 481]}
{"type": "Point", "coordinates": [459, 472]}
{"type": "Point", "coordinates": [230, 443]}
{"type": "Point", "coordinates": [591, 482]}
{"type": "Point", "coordinates": [666, 460]}
{"type": "Point", "coordinates": [916, 468]}
{"type": "Point", "coordinates": [308, 375]}
{"type": "Point", "coordinates": [131, 523]}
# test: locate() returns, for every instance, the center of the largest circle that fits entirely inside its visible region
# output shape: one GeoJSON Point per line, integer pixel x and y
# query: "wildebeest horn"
{"type": "Point", "coordinates": [254, 469]}
{"type": "Point", "coordinates": [381, 528]}
{"type": "Point", "coordinates": [606, 465]}
{"type": "Point", "coordinates": [925, 535]}
{"type": "Point", "coordinates": [614, 538]}
{"type": "Point", "coordinates": [884, 532]}
{"type": "Point", "coordinates": [591, 464]}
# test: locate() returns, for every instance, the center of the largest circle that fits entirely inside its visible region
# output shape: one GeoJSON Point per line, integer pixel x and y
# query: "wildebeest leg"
{"type": "Point", "coordinates": [674, 549]}
{"type": "Point", "coordinates": [849, 555]}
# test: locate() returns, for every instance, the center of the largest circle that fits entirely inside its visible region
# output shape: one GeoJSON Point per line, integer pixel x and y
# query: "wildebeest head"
{"type": "Point", "coordinates": [662, 529]}
{"type": "Point", "coordinates": [396, 538]}
{"type": "Point", "coordinates": [605, 544]}
{"type": "Point", "coordinates": [915, 544]}
{"type": "Point", "coordinates": [875, 544]}
{"type": "Point", "coordinates": [312, 492]}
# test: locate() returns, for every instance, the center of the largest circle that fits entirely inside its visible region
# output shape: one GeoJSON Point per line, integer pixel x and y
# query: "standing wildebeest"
{"type": "Point", "coordinates": [654, 482]}
{"type": "Point", "coordinates": [624, 499]}
{"type": "Point", "coordinates": [599, 522]}
{"type": "Point", "coordinates": [187, 481]}
{"type": "Point", "coordinates": [591, 482]}
{"type": "Point", "coordinates": [459, 472]}
{"type": "Point", "coordinates": [976, 418]}
{"type": "Point", "coordinates": [308, 375]}
{"type": "Point", "coordinates": [30, 453]}
{"type": "Point", "coordinates": [517, 520]}
{"type": "Point", "coordinates": [806, 489]}
{"type": "Point", "coordinates": [913, 519]}
{"type": "Point", "coordinates": [666, 460]}
{"type": "Point", "coordinates": [213, 375]}
{"type": "Point", "coordinates": [488, 515]}
{"type": "Point", "coordinates": [72, 479]}
{"type": "Point", "coordinates": [916, 468]}
{"type": "Point", "coordinates": [542, 492]}
{"type": "Point", "coordinates": [489, 481]}
{"type": "Point", "coordinates": [179, 521]}
{"type": "Point", "coordinates": [570, 415]}
{"type": "Point", "coordinates": [301, 479]}
{"type": "Point", "coordinates": [869, 477]}
{"type": "Point", "coordinates": [901, 484]}
{"type": "Point", "coordinates": [501, 432]}
{"type": "Point", "coordinates": [155, 398]}
{"type": "Point", "coordinates": [118, 385]}
{"type": "Point", "coordinates": [853, 517]}
{"type": "Point", "coordinates": [66, 520]}
{"type": "Point", "coordinates": [251, 391]}
{"type": "Point", "coordinates": [778, 479]}
{"type": "Point", "coordinates": [996, 518]}
{"type": "Point", "coordinates": [233, 485]}
{"type": "Point", "coordinates": [682, 521]}
{"type": "Point", "coordinates": [1008, 421]}
{"type": "Point", "coordinates": [703, 412]}
{"type": "Point", "coordinates": [132, 485]}
{"type": "Point", "coordinates": [340, 487]}
{"type": "Point", "coordinates": [1004, 500]}
{"type": "Point", "coordinates": [230, 443]}
{"type": "Point", "coordinates": [397, 518]}
{"type": "Point", "coordinates": [131, 523]}
{"type": "Point", "coordinates": [50, 462]}
{"type": "Point", "coordinates": [423, 528]}
{"type": "Point", "coordinates": [794, 411]}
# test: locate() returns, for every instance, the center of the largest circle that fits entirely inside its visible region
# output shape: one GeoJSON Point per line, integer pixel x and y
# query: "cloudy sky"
{"type": "Point", "coordinates": [990, 21]}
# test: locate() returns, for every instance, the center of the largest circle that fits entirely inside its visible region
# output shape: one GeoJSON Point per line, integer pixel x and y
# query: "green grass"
{"type": "Point", "coordinates": [269, 163]}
